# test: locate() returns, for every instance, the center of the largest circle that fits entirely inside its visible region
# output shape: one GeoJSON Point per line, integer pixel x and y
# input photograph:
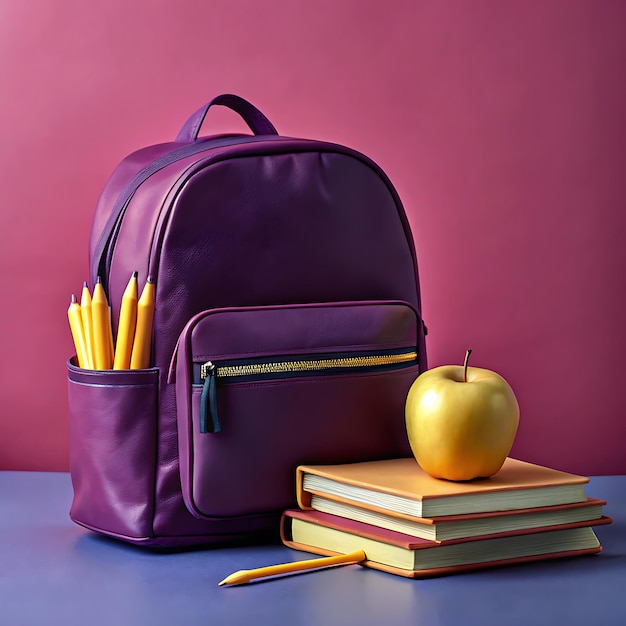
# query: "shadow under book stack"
{"type": "Point", "coordinates": [414, 525]}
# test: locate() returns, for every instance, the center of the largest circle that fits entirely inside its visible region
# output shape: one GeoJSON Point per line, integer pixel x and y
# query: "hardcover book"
{"type": "Point", "coordinates": [397, 553]}
{"type": "Point", "coordinates": [464, 526]}
{"type": "Point", "coordinates": [400, 486]}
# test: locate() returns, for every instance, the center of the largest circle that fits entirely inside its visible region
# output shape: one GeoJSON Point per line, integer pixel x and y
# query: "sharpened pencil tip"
{"type": "Point", "coordinates": [135, 274]}
{"type": "Point", "coordinates": [237, 578]}
{"type": "Point", "coordinates": [85, 285]}
{"type": "Point", "coordinates": [150, 279]}
{"type": "Point", "coordinates": [74, 299]}
{"type": "Point", "coordinates": [98, 280]}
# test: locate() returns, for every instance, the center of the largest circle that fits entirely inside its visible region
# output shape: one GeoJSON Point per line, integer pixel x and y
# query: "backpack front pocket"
{"type": "Point", "coordinates": [262, 390]}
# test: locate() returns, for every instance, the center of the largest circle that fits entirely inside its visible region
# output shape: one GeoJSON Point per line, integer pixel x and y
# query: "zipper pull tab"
{"type": "Point", "coordinates": [209, 422]}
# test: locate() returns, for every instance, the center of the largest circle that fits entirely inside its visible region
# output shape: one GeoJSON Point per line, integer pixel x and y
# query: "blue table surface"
{"type": "Point", "coordinates": [54, 572]}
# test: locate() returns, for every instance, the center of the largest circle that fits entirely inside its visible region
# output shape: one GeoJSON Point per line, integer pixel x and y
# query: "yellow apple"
{"type": "Point", "coordinates": [461, 421]}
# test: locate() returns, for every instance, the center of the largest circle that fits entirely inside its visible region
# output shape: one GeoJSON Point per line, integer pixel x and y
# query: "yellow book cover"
{"type": "Point", "coordinates": [400, 486]}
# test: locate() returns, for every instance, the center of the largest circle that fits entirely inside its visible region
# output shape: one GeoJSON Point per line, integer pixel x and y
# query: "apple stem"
{"type": "Point", "coordinates": [467, 356]}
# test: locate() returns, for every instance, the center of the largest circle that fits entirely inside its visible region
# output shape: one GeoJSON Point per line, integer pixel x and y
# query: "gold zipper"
{"type": "Point", "coordinates": [308, 365]}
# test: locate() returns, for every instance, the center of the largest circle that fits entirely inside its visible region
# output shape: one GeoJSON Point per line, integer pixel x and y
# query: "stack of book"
{"type": "Point", "coordinates": [412, 524]}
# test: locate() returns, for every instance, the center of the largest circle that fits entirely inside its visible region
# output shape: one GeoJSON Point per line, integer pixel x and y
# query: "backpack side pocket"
{"type": "Point", "coordinates": [113, 417]}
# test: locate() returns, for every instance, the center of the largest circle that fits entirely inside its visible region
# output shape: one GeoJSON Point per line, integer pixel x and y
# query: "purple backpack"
{"type": "Point", "coordinates": [287, 330]}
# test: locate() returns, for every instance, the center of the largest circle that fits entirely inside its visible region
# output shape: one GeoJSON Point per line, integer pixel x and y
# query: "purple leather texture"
{"type": "Point", "coordinates": [299, 329]}
{"type": "Point", "coordinates": [257, 122]}
{"type": "Point", "coordinates": [118, 180]}
{"type": "Point", "coordinates": [270, 426]}
{"type": "Point", "coordinates": [113, 420]}
{"type": "Point", "coordinates": [268, 222]}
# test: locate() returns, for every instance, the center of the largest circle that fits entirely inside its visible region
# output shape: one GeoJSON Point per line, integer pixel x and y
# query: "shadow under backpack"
{"type": "Point", "coordinates": [287, 330]}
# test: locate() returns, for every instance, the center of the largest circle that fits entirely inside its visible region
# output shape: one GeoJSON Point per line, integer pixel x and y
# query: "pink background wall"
{"type": "Point", "coordinates": [501, 124]}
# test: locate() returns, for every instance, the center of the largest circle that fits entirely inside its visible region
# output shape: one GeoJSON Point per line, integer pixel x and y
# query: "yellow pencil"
{"type": "Point", "coordinates": [78, 334]}
{"type": "Point", "coordinates": [109, 332]}
{"type": "Point", "coordinates": [85, 313]}
{"type": "Point", "coordinates": [126, 326]}
{"type": "Point", "coordinates": [140, 358]}
{"type": "Point", "coordinates": [246, 575]}
{"type": "Point", "coordinates": [101, 328]}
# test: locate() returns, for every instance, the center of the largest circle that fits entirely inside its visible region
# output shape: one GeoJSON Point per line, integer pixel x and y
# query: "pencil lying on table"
{"type": "Point", "coordinates": [246, 575]}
